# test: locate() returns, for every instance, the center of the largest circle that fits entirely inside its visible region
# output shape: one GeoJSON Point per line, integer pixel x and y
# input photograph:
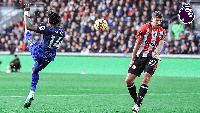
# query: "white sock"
{"type": "Point", "coordinates": [31, 94]}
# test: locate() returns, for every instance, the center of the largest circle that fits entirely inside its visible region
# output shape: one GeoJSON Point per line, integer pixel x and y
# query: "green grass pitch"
{"type": "Point", "coordinates": [73, 93]}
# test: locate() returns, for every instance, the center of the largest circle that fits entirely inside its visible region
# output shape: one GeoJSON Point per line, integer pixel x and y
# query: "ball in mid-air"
{"type": "Point", "coordinates": [100, 25]}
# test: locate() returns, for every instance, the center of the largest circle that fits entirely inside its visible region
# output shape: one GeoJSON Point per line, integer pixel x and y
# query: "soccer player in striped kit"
{"type": "Point", "coordinates": [145, 56]}
{"type": "Point", "coordinates": [44, 52]}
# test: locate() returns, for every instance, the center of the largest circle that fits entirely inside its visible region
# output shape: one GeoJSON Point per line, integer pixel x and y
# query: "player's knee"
{"type": "Point", "coordinates": [128, 81]}
{"type": "Point", "coordinates": [145, 80]}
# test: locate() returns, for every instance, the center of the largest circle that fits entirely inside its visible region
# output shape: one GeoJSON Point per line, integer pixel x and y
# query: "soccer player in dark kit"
{"type": "Point", "coordinates": [44, 52]}
{"type": "Point", "coordinates": [145, 56]}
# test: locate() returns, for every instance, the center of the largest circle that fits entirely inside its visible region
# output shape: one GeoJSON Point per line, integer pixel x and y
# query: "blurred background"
{"type": "Point", "coordinates": [124, 18]}
{"type": "Point", "coordinates": [90, 67]}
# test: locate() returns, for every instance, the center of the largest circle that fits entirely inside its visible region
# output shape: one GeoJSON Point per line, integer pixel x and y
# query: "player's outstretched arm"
{"type": "Point", "coordinates": [136, 47]}
{"type": "Point", "coordinates": [29, 26]}
{"type": "Point", "coordinates": [159, 50]}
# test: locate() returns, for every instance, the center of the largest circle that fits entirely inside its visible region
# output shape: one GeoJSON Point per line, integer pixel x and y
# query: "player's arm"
{"type": "Point", "coordinates": [28, 25]}
{"type": "Point", "coordinates": [135, 49]}
{"type": "Point", "coordinates": [139, 35]}
{"type": "Point", "coordinates": [160, 47]}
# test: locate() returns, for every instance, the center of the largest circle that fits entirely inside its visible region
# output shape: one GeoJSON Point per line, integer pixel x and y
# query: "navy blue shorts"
{"type": "Point", "coordinates": [40, 64]}
{"type": "Point", "coordinates": [41, 59]}
{"type": "Point", "coordinates": [146, 64]}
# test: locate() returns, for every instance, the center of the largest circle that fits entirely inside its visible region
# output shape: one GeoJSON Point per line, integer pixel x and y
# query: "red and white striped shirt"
{"type": "Point", "coordinates": [150, 39]}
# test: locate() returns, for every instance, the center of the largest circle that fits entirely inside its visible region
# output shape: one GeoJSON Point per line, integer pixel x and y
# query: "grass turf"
{"type": "Point", "coordinates": [72, 93]}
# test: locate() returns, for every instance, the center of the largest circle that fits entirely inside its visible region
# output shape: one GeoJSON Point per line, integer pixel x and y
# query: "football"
{"type": "Point", "coordinates": [100, 25]}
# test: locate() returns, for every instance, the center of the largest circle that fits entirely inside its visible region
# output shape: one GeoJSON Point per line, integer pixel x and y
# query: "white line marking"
{"type": "Point", "coordinates": [104, 95]}
{"type": "Point", "coordinates": [13, 89]}
{"type": "Point", "coordinates": [12, 96]}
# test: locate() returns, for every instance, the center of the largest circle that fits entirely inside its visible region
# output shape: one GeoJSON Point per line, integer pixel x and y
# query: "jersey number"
{"type": "Point", "coordinates": [52, 43]}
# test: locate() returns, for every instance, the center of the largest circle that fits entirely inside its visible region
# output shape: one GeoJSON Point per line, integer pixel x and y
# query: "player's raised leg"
{"type": "Point", "coordinates": [33, 48]}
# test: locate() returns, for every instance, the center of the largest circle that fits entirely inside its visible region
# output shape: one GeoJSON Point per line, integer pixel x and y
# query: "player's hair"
{"type": "Point", "coordinates": [157, 14]}
{"type": "Point", "coordinates": [54, 18]}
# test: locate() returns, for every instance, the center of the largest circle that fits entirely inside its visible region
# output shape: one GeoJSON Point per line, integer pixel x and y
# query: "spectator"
{"type": "Point", "coordinates": [193, 48]}
{"type": "Point", "coordinates": [85, 50]}
{"type": "Point", "coordinates": [3, 43]}
{"type": "Point", "coordinates": [15, 64]}
{"type": "Point", "coordinates": [124, 18]}
{"type": "Point", "coordinates": [173, 10]}
{"type": "Point", "coordinates": [176, 29]}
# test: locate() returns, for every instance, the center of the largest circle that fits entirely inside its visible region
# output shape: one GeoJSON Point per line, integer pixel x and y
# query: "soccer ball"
{"type": "Point", "coordinates": [100, 25]}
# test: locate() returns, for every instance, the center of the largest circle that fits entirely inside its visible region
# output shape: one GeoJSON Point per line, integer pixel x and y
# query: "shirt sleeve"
{"type": "Point", "coordinates": [44, 30]}
{"type": "Point", "coordinates": [140, 33]}
{"type": "Point", "coordinates": [163, 34]}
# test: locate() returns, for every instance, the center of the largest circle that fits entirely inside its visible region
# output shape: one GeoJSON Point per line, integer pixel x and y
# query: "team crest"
{"type": "Point", "coordinates": [133, 66]}
{"type": "Point", "coordinates": [42, 27]}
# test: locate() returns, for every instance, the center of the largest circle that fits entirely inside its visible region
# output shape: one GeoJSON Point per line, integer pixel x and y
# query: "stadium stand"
{"type": "Point", "coordinates": [78, 16]}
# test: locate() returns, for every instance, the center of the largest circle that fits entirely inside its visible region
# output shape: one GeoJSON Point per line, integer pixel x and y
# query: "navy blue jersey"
{"type": "Point", "coordinates": [52, 37]}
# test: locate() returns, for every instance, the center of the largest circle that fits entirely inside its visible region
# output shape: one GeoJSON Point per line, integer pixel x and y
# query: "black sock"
{"type": "Point", "coordinates": [142, 92]}
{"type": "Point", "coordinates": [132, 91]}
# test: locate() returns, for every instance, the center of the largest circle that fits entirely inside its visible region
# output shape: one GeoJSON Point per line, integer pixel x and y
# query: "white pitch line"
{"type": "Point", "coordinates": [12, 96]}
{"type": "Point", "coordinates": [175, 94]}
{"type": "Point", "coordinates": [105, 95]}
{"type": "Point", "coordinates": [13, 89]}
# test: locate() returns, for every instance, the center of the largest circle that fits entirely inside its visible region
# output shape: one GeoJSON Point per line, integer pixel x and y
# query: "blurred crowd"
{"type": "Point", "coordinates": [124, 18]}
{"type": "Point", "coordinates": [12, 3]}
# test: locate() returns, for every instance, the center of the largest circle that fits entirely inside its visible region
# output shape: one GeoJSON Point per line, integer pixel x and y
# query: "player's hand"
{"type": "Point", "coordinates": [157, 56]}
{"type": "Point", "coordinates": [131, 63]}
{"type": "Point", "coordinates": [27, 7]}
{"type": "Point", "coordinates": [41, 24]}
